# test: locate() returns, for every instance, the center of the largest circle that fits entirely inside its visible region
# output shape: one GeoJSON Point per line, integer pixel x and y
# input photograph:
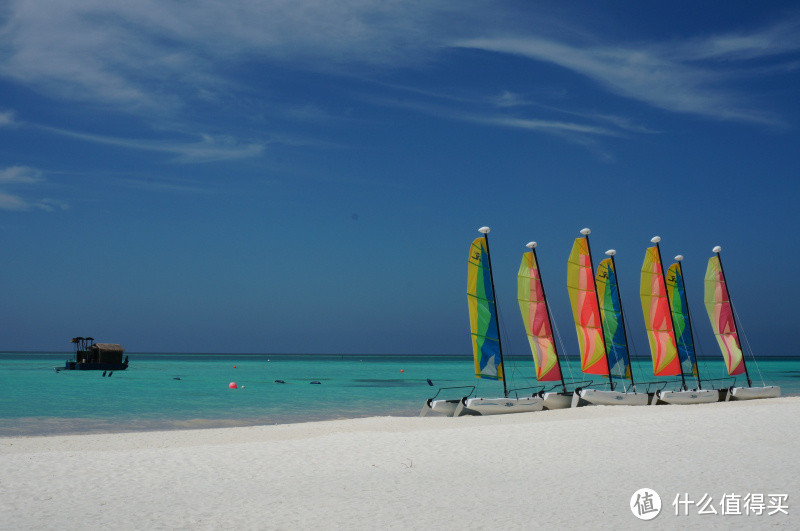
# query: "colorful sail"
{"type": "Point", "coordinates": [718, 306]}
{"type": "Point", "coordinates": [582, 296]}
{"type": "Point", "coordinates": [616, 342]}
{"type": "Point", "coordinates": [533, 307]}
{"type": "Point", "coordinates": [482, 314]}
{"type": "Point", "coordinates": [657, 317]}
{"type": "Point", "coordinates": [676, 291]}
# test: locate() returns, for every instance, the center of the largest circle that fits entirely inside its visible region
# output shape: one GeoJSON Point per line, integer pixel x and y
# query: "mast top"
{"type": "Point", "coordinates": [484, 230]}
{"type": "Point", "coordinates": [586, 231]}
{"type": "Point", "coordinates": [679, 257]}
{"type": "Point", "coordinates": [655, 239]}
{"type": "Point", "coordinates": [530, 245]}
{"type": "Point", "coordinates": [611, 252]}
{"type": "Point", "coordinates": [716, 249]}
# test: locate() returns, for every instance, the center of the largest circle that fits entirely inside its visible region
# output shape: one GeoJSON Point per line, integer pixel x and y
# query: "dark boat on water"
{"type": "Point", "coordinates": [91, 356]}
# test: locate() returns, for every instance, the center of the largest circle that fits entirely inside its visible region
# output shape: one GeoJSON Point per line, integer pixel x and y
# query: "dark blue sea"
{"type": "Point", "coordinates": [176, 391]}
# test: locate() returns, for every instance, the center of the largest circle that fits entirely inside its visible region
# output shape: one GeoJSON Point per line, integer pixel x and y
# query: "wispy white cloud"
{"type": "Point", "coordinates": [7, 119]}
{"type": "Point", "coordinates": [780, 38]}
{"type": "Point", "coordinates": [127, 53]}
{"type": "Point", "coordinates": [20, 174]}
{"type": "Point", "coordinates": [13, 202]}
{"type": "Point", "coordinates": [205, 149]}
{"type": "Point", "coordinates": [16, 176]}
{"type": "Point", "coordinates": [153, 54]}
{"type": "Point", "coordinates": [510, 99]}
{"type": "Point", "coordinates": [688, 77]}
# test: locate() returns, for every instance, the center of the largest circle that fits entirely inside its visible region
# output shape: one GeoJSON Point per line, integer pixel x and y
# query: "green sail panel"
{"type": "Point", "coordinates": [676, 291]}
{"type": "Point", "coordinates": [613, 329]}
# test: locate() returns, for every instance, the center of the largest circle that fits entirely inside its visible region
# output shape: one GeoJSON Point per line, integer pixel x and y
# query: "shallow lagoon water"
{"type": "Point", "coordinates": [174, 391]}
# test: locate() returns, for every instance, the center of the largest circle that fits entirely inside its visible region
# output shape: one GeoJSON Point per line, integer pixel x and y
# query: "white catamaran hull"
{"type": "Point", "coordinates": [610, 398]}
{"type": "Point", "coordinates": [700, 396]}
{"type": "Point", "coordinates": [750, 393]}
{"type": "Point", "coordinates": [444, 407]}
{"type": "Point", "coordinates": [499, 406]}
{"type": "Point", "coordinates": [555, 400]}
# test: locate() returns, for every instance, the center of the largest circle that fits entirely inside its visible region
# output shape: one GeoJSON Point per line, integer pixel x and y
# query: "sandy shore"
{"type": "Point", "coordinates": [562, 469]}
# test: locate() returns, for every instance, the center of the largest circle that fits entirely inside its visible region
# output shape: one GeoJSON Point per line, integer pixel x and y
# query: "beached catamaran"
{"type": "Point", "coordinates": [487, 348]}
{"type": "Point", "coordinates": [666, 316]}
{"type": "Point", "coordinates": [723, 321]}
{"type": "Point", "coordinates": [601, 347]}
{"type": "Point", "coordinates": [539, 329]}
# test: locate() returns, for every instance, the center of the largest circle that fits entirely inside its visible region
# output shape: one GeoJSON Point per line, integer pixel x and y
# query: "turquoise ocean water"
{"type": "Point", "coordinates": [37, 400]}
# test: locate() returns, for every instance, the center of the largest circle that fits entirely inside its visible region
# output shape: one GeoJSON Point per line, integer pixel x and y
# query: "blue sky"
{"type": "Point", "coordinates": [306, 176]}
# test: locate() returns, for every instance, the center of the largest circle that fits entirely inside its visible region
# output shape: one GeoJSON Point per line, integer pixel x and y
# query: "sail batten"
{"type": "Point", "coordinates": [585, 311]}
{"type": "Point", "coordinates": [482, 314]}
{"type": "Point", "coordinates": [657, 319]}
{"type": "Point", "coordinates": [720, 312]}
{"type": "Point", "coordinates": [535, 316]}
{"type": "Point", "coordinates": [611, 307]}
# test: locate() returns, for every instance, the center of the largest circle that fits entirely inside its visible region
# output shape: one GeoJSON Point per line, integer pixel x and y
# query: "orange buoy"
{"type": "Point", "coordinates": [232, 385]}
{"type": "Point", "coordinates": [234, 366]}
{"type": "Point", "coordinates": [402, 370]}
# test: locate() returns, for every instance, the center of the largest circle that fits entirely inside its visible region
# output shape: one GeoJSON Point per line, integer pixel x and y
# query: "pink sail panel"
{"type": "Point", "coordinates": [720, 312]}
{"type": "Point", "coordinates": [657, 319]}
{"type": "Point", "coordinates": [583, 298]}
{"type": "Point", "coordinates": [533, 307]}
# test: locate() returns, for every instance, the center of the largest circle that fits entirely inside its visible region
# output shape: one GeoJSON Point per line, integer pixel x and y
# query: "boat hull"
{"type": "Point", "coordinates": [445, 407]}
{"type": "Point", "coordinates": [557, 400]}
{"type": "Point", "coordinates": [599, 397]}
{"type": "Point", "coordinates": [752, 393]}
{"type": "Point", "coordinates": [501, 406]}
{"type": "Point", "coordinates": [78, 366]}
{"type": "Point", "coordinates": [700, 396]}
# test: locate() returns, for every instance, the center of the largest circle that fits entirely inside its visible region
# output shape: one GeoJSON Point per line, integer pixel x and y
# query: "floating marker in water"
{"type": "Point", "coordinates": [176, 378]}
{"type": "Point", "coordinates": [234, 366]}
{"type": "Point", "coordinates": [316, 382]}
{"type": "Point", "coordinates": [279, 381]}
{"type": "Point", "coordinates": [430, 382]}
{"type": "Point", "coordinates": [402, 370]}
{"type": "Point", "coordinates": [233, 385]}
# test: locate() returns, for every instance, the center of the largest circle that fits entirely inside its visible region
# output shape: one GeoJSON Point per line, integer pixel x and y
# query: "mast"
{"type": "Point", "coordinates": [586, 233]}
{"type": "Point", "coordinates": [717, 249]}
{"type": "Point", "coordinates": [485, 232]}
{"type": "Point", "coordinates": [532, 247]}
{"type": "Point", "coordinates": [611, 253]}
{"type": "Point", "coordinates": [655, 240]}
{"type": "Point", "coordinates": [679, 259]}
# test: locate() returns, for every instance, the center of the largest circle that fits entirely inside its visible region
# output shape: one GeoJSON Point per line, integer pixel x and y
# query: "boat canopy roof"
{"type": "Point", "coordinates": [108, 347]}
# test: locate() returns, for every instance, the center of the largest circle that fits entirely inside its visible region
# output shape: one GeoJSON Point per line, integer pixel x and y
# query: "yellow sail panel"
{"type": "Point", "coordinates": [482, 314]}
{"type": "Point", "coordinates": [533, 307]}
{"type": "Point", "coordinates": [720, 312]}
{"type": "Point", "coordinates": [583, 298]}
{"type": "Point", "coordinates": [657, 318]}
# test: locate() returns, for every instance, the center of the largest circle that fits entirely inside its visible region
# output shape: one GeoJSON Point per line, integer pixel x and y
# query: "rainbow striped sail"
{"type": "Point", "coordinates": [533, 307]}
{"type": "Point", "coordinates": [610, 305]}
{"type": "Point", "coordinates": [718, 306]}
{"type": "Point", "coordinates": [582, 296]}
{"type": "Point", "coordinates": [676, 291]}
{"type": "Point", "coordinates": [482, 315]}
{"type": "Point", "coordinates": [657, 316]}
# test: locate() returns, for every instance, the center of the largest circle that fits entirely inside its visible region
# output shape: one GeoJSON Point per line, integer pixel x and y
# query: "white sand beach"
{"type": "Point", "coordinates": [574, 468]}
